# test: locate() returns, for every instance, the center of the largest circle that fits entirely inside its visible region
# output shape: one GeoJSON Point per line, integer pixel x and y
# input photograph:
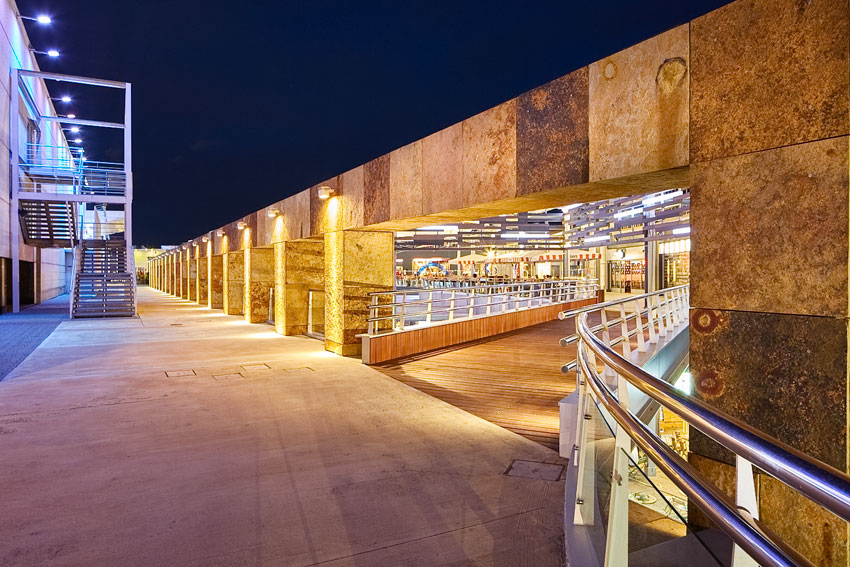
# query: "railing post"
{"type": "Point", "coordinates": [471, 312]}
{"type": "Point", "coordinates": [373, 312]}
{"type": "Point", "coordinates": [624, 331]}
{"type": "Point", "coordinates": [617, 540]}
{"type": "Point", "coordinates": [639, 325]}
{"type": "Point", "coordinates": [403, 318]}
{"type": "Point", "coordinates": [746, 498]}
{"type": "Point", "coordinates": [653, 336]}
{"type": "Point", "coordinates": [489, 303]}
{"type": "Point", "coordinates": [429, 306]}
{"type": "Point", "coordinates": [452, 305]}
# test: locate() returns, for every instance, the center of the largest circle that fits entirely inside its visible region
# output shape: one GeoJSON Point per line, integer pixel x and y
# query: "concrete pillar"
{"type": "Point", "coordinates": [233, 282]}
{"type": "Point", "coordinates": [299, 268]}
{"type": "Point", "coordinates": [770, 209]}
{"type": "Point", "coordinates": [193, 273]}
{"type": "Point", "coordinates": [356, 263]}
{"type": "Point", "coordinates": [259, 281]}
{"type": "Point", "coordinates": [215, 279]}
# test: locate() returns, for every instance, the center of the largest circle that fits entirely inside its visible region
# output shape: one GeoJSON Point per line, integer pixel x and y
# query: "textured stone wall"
{"type": "Point", "coordinates": [233, 282]}
{"type": "Point", "coordinates": [299, 268]}
{"type": "Point", "coordinates": [215, 277]}
{"type": "Point", "coordinates": [203, 281]}
{"type": "Point", "coordinates": [259, 281]}
{"type": "Point", "coordinates": [356, 263]}
{"type": "Point", "coordinates": [770, 210]}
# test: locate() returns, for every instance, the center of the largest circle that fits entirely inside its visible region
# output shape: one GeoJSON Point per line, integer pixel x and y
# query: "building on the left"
{"type": "Point", "coordinates": [65, 214]}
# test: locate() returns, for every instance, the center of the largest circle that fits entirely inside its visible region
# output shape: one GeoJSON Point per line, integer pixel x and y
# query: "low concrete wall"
{"type": "Point", "coordinates": [398, 344]}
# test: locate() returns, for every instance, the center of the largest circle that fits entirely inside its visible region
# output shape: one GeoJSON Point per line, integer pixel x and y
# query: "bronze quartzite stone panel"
{"type": "Point", "coordinates": [769, 73]}
{"type": "Point", "coordinates": [319, 207]}
{"type": "Point", "coordinates": [552, 148]}
{"type": "Point", "coordinates": [376, 190]}
{"type": "Point", "coordinates": [297, 211]}
{"type": "Point", "coordinates": [214, 299]}
{"type": "Point", "coordinates": [638, 108]}
{"type": "Point", "coordinates": [351, 200]}
{"type": "Point", "coordinates": [489, 155]}
{"type": "Point", "coordinates": [816, 534]}
{"type": "Point", "coordinates": [770, 230]}
{"type": "Point", "coordinates": [406, 181]}
{"type": "Point", "coordinates": [442, 170]}
{"type": "Point", "coordinates": [784, 374]}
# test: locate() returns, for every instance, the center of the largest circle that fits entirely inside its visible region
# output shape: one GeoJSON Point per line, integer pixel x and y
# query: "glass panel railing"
{"type": "Point", "coordinates": [659, 533]}
{"type": "Point", "coordinates": [594, 482]}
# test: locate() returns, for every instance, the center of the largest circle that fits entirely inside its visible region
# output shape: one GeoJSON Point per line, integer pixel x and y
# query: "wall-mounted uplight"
{"type": "Point", "coordinates": [75, 130]}
{"type": "Point", "coordinates": [78, 140]}
{"type": "Point", "coordinates": [325, 192]}
{"type": "Point", "coordinates": [65, 98]}
{"type": "Point", "coordinates": [219, 233]}
{"type": "Point", "coordinates": [71, 116]}
{"type": "Point", "coordinates": [205, 239]}
{"type": "Point", "coordinates": [273, 212]}
{"type": "Point", "coordinates": [241, 225]}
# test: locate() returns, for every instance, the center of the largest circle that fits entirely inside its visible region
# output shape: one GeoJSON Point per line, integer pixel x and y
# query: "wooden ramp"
{"type": "Point", "coordinates": [513, 380]}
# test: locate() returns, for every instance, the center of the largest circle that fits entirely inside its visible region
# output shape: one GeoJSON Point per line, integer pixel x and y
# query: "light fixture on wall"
{"type": "Point", "coordinates": [273, 212]}
{"type": "Point", "coordinates": [241, 225]}
{"type": "Point", "coordinates": [43, 19]}
{"type": "Point", "coordinates": [205, 238]}
{"type": "Point", "coordinates": [49, 52]}
{"type": "Point", "coordinates": [325, 192]}
{"type": "Point", "coordinates": [219, 233]}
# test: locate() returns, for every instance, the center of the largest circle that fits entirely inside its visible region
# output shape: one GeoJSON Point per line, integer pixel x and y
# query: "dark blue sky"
{"type": "Point", "coordinates": [241, 103]}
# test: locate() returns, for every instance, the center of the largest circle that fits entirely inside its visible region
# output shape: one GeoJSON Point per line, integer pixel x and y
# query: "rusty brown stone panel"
{"type": "Point", "coordinates": [770, 230]}
{"type": "Point", "coordinates": [489, 155]}
{"type": "Point", "coordinates": [784, 374]}
{"type": "Point", "coordinates": [442, 170]}
{"type": "Point", "coordinates": [376, 190]}
{"type": "Point", "coordinates": [552, 142]}
{"type": "Point", "coordinates": [769, 73]}
{"type": "Point", "coordinates": [638, 108]}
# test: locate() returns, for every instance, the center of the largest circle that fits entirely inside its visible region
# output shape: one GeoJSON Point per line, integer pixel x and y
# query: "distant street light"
{"type": "Point", "coordinates": [43, 19]}
{"type": "Point", "coordinates": [49, 52]}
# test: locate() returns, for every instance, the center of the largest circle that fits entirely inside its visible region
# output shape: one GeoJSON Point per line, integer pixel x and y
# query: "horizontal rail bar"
{"type": "Point", "coordinates": [73, 79]}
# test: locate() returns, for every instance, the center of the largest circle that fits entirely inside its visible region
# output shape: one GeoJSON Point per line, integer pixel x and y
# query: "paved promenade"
{"type": "Point", "coordinates": [185, 437]}
{"type": "Point", "coordinates": [21, 333]}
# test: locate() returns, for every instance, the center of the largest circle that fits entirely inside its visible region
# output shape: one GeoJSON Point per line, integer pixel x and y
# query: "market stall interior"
{"type": "Point", "coordinates": [628, 245]}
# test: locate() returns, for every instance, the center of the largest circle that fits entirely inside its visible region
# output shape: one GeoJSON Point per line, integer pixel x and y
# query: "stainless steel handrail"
{"type": "Point", "coordinates": [817, 481]}
{"type": "Point", "coordinates": [739, 524]}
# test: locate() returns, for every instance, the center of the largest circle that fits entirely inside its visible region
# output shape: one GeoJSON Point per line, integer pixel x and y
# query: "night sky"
{"type": "Point", "coordinates": [241, 103]}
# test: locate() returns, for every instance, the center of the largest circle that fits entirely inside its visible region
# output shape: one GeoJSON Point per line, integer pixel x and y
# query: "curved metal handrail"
{"type": "Point", "coordinates": [743, 529]}
{"type": "Point", "coordinates": [817, 481]}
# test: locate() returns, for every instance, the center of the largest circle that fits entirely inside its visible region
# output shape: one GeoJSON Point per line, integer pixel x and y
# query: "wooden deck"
{"type": "Point", "coordinates": [513, 380]}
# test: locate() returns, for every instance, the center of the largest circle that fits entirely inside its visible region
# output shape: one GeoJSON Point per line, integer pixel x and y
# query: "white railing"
{"type": "Point", "coordinates": [406, 308]}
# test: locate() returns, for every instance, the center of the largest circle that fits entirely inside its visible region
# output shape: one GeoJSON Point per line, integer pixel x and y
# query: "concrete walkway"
{"type": "Point", "coordinates": [21, 333]}
{"type": "Point", "coordinates": [257, 450]}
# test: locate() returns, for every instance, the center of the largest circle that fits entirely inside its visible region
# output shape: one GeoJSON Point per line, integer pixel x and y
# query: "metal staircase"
{"type": "Point", "coordinates": [103, 287]}
{"type": "Point", "coordinates": [49, 224]}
